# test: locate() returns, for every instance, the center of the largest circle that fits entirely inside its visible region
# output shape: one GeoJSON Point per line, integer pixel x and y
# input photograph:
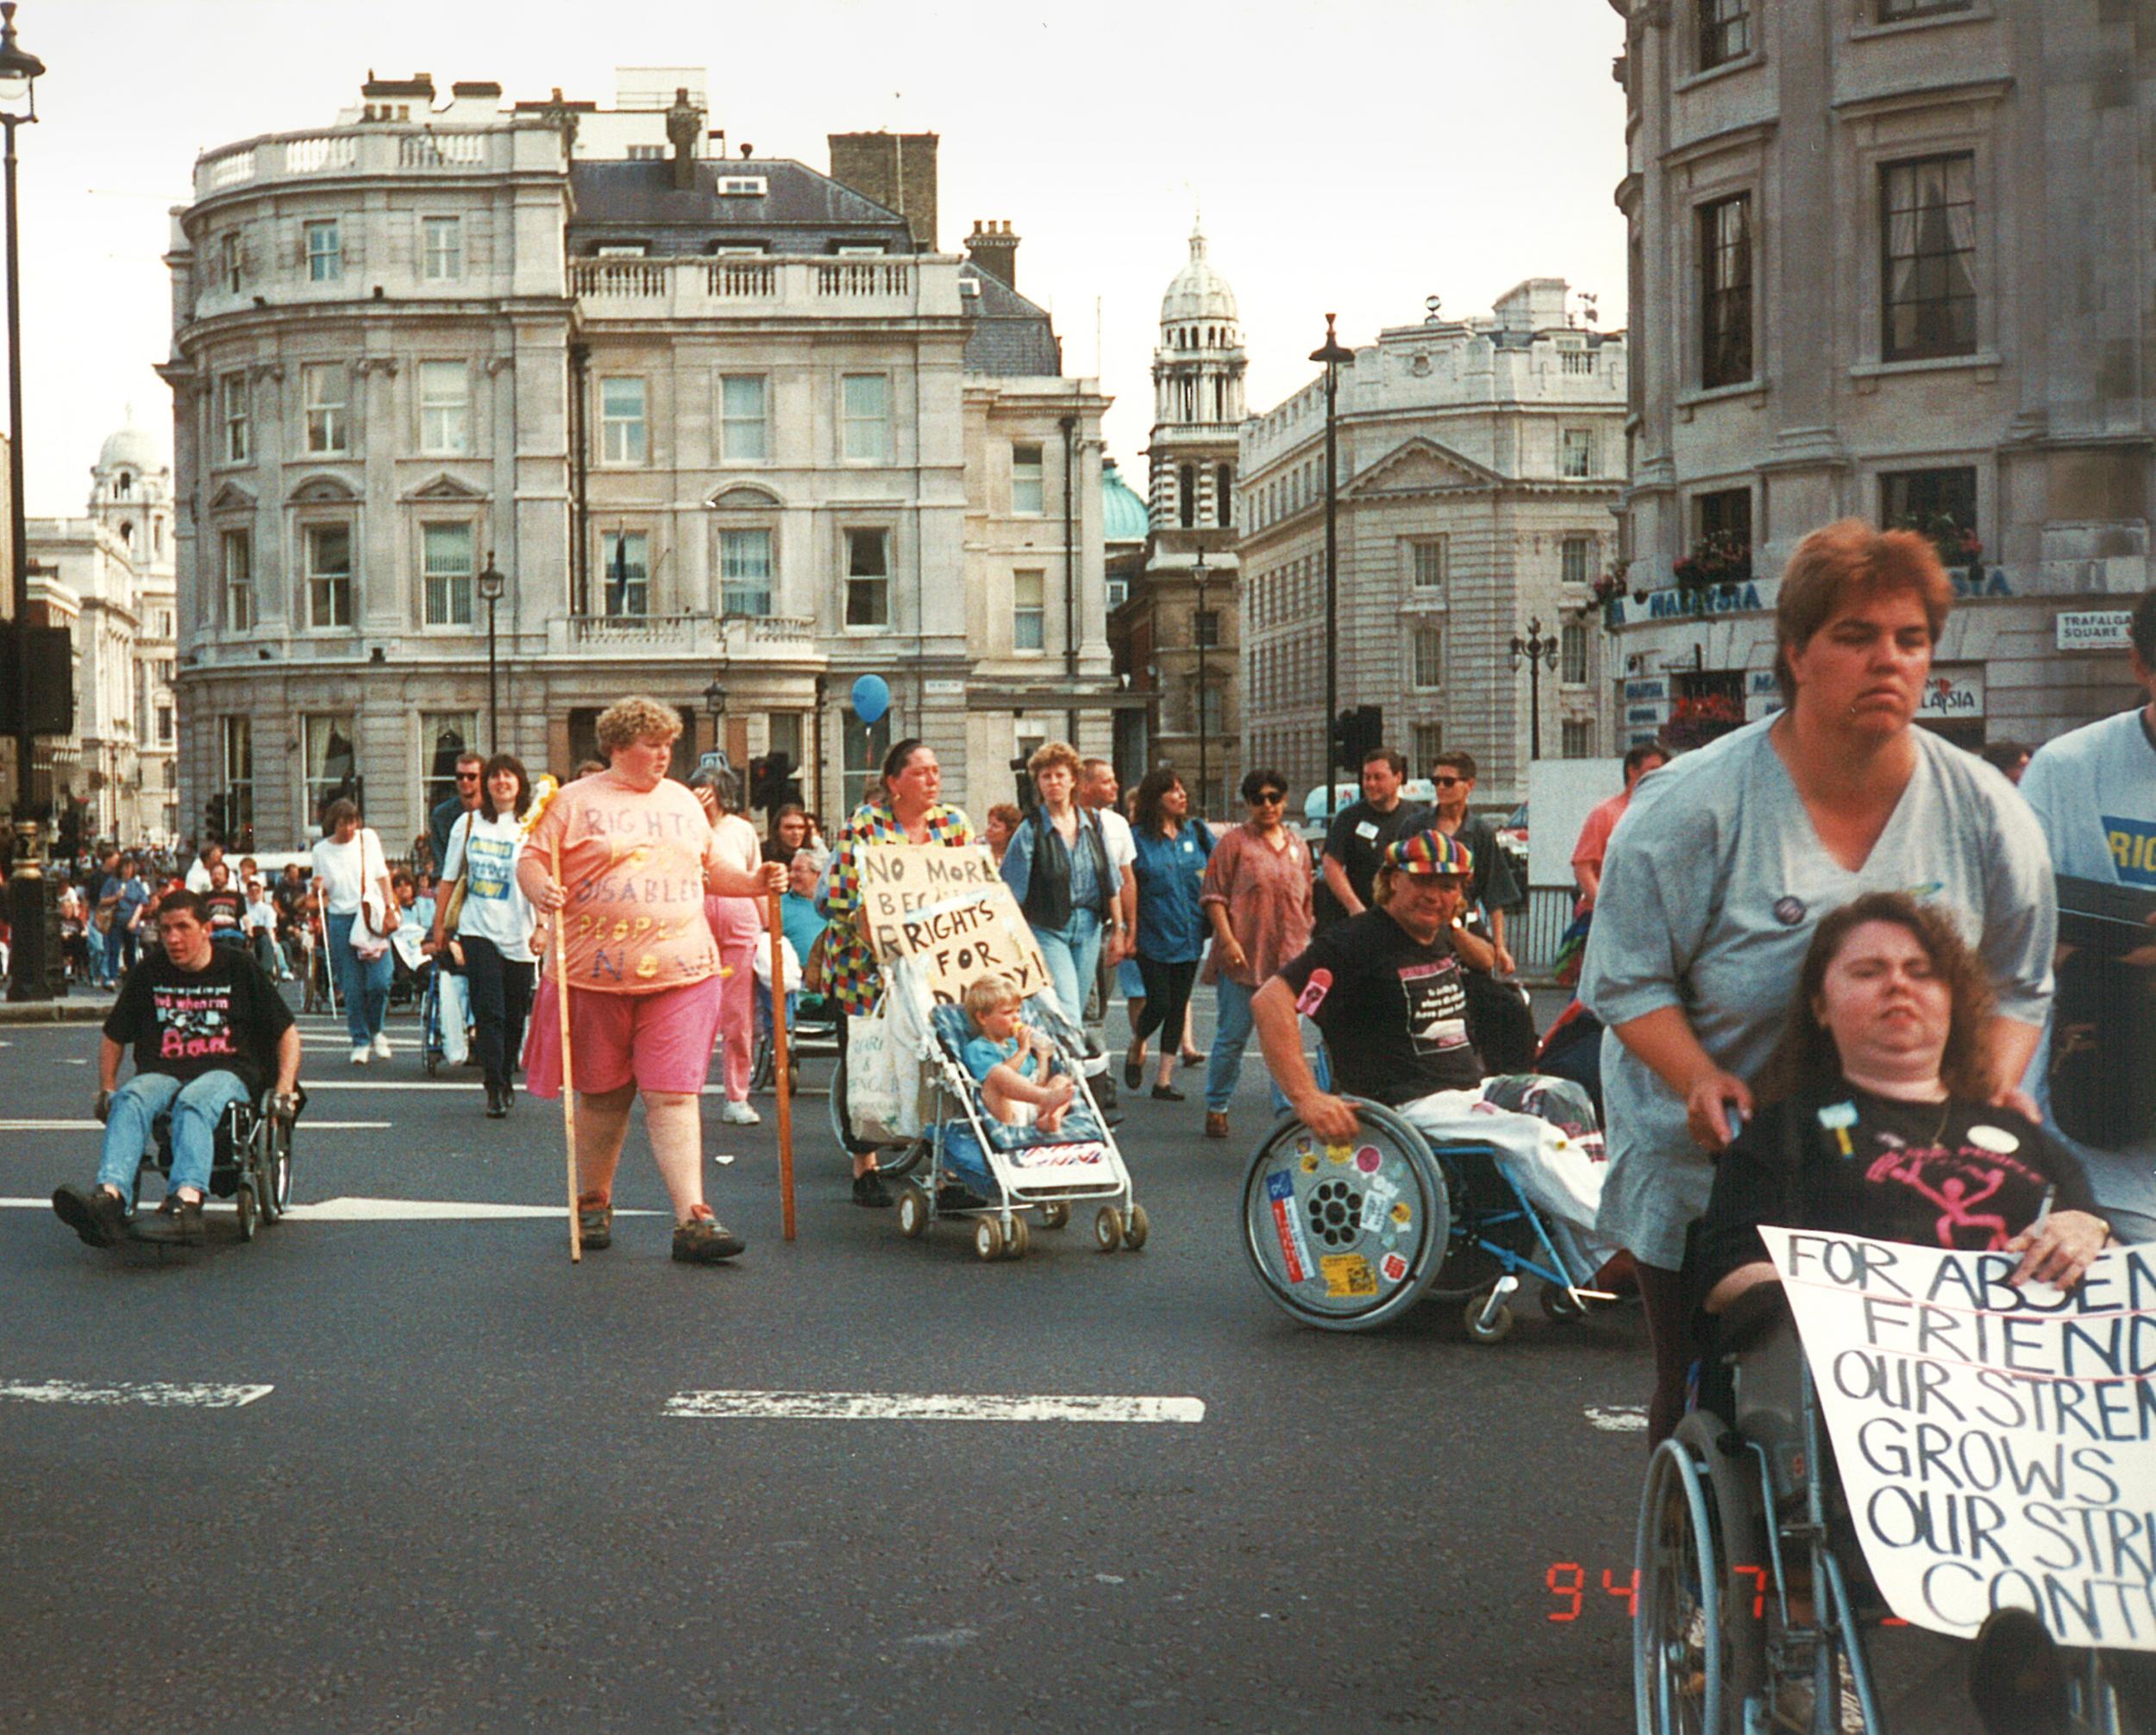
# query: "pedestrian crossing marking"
{"type": "Point", "coordinates": [112, 1394]}
{"type": "Point", "coordinates": [928, 1406]}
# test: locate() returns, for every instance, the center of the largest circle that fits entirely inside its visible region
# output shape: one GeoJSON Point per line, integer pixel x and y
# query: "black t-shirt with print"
{"type": "Point", "coordinates": [1357, 842]}
{"type": "Point", "coordinates": [227, 910]}
{"type": "Point", "coordinates": [1393, 1010]}
{"type": "Point", "coordinates": [1959, 1175]}
{"type": "Point", "coordinates": [226, 1017]}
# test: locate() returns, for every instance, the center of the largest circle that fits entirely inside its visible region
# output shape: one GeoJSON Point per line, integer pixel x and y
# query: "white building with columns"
{"type": "Point", "coordinates": [719, 422]}
{"type": "Point", "coordinates": [1480, 460]}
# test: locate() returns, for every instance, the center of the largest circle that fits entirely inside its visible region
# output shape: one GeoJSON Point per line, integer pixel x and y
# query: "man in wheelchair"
{"type": "Point", "coordinates": [209, 1029]}
{"type": "Point", "coordinates": [1385, 989]}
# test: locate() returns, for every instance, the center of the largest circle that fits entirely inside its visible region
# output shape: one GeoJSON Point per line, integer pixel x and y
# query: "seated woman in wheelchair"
{"type": "Point", "coordinates": [206, 1026]}
{"type": "Point", "coordinates": [1875, 1120]}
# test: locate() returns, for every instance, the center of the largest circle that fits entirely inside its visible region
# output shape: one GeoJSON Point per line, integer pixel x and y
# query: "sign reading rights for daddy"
{"type": "Point", "coordinates": [950, 909]}
{"type": "Point", "coordinates": [1998, 1445]}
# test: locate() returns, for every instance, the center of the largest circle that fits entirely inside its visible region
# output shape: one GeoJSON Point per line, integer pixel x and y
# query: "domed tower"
{"type": "Point", "coordinates": [1191, 568]}
{"type": "Point", "coordinates": [131, 495]}
{"type": "Point", "coordinates": [1197, 399]}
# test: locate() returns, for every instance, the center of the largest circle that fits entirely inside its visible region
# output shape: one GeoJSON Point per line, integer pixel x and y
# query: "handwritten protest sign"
{"type": "Point", "coordinates": [950, 909]}
{"type": "Point", "coordinates": [1998, 1445]}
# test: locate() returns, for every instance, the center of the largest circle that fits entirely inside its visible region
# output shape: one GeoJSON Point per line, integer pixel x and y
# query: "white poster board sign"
{"type": "Point", "coordinates": [1996, 1444]}
{"type": "Point", "coordinates": [950, 909]}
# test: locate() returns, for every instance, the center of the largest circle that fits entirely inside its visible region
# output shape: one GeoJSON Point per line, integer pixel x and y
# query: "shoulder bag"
{"type": "Point", "coordinates": [455, 908]}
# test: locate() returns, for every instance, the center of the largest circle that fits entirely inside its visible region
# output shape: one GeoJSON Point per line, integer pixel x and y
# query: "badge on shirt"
{"type": "Point", "coordinates": [1367, 831]}
{"type": "Point", "coordinates": [1995, 1139]}
{"type": "Point", "coordinates": [1838, 1118]}
{"type": "Point", "coordinates": [1313, 993]}
{"type": "Point", "coordinates": [1788, 912]}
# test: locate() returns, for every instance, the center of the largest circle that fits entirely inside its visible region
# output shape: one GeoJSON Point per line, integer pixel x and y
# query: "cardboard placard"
{"type": "Point", "coordinates": [950, 909]}
{"type": "Point", "coordinates": [1998, 1445]}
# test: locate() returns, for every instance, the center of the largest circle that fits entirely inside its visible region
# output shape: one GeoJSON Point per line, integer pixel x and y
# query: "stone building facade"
{"type": "Point", "coordinates": [1884, 262]}
{"type": "Point", "coordinates": [108, 576]}
{"type": "Point", "coordinates": [1479, 463]}
{"type": "Point", "coordinates": [730, 431]}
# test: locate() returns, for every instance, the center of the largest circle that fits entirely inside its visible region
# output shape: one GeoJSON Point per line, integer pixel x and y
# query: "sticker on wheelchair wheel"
{"type": "Point", "coordinates": [1369, 1158]}
{"type": "Point", "coordinates": [1280, 1189]}
{"type": "Point", "coordinates": [1392, 1268]}
{"type": "Point", "coordinates": [1347, 1273]}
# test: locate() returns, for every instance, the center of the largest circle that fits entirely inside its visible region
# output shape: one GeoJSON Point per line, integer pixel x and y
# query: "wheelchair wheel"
{"type": "Point", "coordinates": [276, 1191]}
{"type": "Point", "coordinates": [1699, 1648]}
{"type": "Point", "coordinates": [243, 1204]}
{"type": "Point", "coordinates": [1346, 1236]}
{"type": "Point", "coordinates": [892, 1161]}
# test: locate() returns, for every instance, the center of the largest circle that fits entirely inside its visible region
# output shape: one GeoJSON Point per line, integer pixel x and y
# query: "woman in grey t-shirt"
{"type": "Point", "coordinates": [1727, 857]}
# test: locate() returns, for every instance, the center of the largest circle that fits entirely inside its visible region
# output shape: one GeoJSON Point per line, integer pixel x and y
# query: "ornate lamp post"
{"type": "Point", "coordinates": [1537, 650]}
{"type": "Point", "coordinates": [1202, 579]}
{"type": "Point", "coordinates": [1332, 355]}
{"type": "Point", "coordinates": [715, 708]}
{"type": "Point", "coordinates": [491, 585]}
{"type": "Point", "coordinates": [19, 73]}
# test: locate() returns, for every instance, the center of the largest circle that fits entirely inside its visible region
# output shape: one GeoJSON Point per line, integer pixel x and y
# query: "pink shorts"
{"type": "Point", "coordinates": [659, 1042]}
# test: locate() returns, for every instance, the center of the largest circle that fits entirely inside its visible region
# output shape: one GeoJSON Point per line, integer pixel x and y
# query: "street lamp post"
{"type": "Point", "coordinates": [491, 585]}
{"type": "Point", "coordinates": [1332, 354]}
{"type": "Point", "coordinates": [19, 73]}
{"type": "Point", "coordinates": [715, 708]}
{"type": "Point", "coordinates": [1537, 650]}
{"type": "Point", "coordinates": [1202, 579]}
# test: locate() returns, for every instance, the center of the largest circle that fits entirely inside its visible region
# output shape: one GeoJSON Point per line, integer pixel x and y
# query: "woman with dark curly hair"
{"type": "Point", "coordinates": [494, 922]}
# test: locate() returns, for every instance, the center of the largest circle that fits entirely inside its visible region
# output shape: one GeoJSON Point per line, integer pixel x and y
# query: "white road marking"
{"type": "Point", "coordinates": [88, 1125]}
{"type": "Point", "coordinates": [351, 1210]}
{"type": "Point", "coordinates": [929, 1407]}
{"type": "Point", "coordinates": [1618, 1419]}
{"type": "Point", "coordinates": [157, 1394]}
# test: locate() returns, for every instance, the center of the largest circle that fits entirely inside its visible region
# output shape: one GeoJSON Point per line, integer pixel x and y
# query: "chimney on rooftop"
{"type": "Point", "coordinates": [993, 248]}
{"type": "Point", "coordinates": [897, 170]}
{"type": "Point", "coordinates": [685, 126]}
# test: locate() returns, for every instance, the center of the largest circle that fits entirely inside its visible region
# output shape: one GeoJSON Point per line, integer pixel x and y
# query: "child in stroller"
{"type": "Point", "coordinates": [1015, 1064]}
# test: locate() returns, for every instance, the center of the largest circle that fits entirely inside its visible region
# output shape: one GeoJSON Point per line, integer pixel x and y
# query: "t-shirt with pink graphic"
{"type": "Point", "coordinates": [633, 863]}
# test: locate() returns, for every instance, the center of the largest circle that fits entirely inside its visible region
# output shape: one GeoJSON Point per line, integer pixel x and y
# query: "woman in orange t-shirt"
{"type": "Point", "coordinates": [637, 857]}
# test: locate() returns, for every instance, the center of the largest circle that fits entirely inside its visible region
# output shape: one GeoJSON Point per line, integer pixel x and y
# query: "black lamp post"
{"type": "Point", "coordinates": [715, 707]}
{"type": "Point", "coordinates": [1332, 354]}
{"type": "Point", "coordinates": [491, 585]}
{"type": "Point", "coordinates": [19, 73]}
{"type": "Point", "coordinates": [1537, 649]}
{"type": "Point", "coordinates": [1202, 579]}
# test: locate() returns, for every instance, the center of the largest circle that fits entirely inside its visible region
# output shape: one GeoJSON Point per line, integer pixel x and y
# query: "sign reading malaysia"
{"type": "Point", "coordinates": [950, 909]}
{"type": "Point", "coordinates": [1996, 1442]}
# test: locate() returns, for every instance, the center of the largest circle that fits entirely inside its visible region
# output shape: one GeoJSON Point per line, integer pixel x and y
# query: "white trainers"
{"type": "Point", "coordinates": [739, 1114]}
{"type": "Point", "coordinates": [381, 1045]}
{"type": "Point", "coordinates": [362, 1054]}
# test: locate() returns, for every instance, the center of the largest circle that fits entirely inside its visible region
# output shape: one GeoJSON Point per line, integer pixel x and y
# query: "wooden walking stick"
{"type": "Point", "coordinates": [781, 1070]}
{"type": "Point", "coordinates": [568, 1090]}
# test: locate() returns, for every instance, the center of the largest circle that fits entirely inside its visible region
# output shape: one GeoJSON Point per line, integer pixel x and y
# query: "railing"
{"type": "Point", "coordinates": [230, 169]}
{"type": "Point", "coordinates": [769, 629]}
{"type": "Point", "coordinates": [630, 279]}
{"type": "Point", "coordinates": [731, 279]}
{"type": "Point", "coordinates": [1534, 935]}
{"type": "Point", "coordinates": [689, 284]}
{"type": "Point", "coordinates": [707, 634]}
{"type": "Point", "coordinates": [858, 278]}
{"type": "Point", "coordinates": [440, 150]}
{"type": "Point", "coordinates": [320, 152]}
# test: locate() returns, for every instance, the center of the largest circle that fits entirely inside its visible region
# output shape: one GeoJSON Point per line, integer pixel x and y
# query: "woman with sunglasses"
{"type": "Point", "coordinates": [1256, 895]}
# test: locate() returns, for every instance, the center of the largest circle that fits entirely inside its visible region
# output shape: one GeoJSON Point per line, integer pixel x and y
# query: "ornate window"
{"type": "Point", "coordinates": [1725, 310]}
{"type": "Point", "coordinates": [1928, 225]}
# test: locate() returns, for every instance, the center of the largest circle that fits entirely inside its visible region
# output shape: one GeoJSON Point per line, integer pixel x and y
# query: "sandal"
{"type": "Point", "coordinates": [594, 1222]}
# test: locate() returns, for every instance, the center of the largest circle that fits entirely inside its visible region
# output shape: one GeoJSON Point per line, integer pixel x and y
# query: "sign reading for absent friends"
{"type": "Point", "coordinates": [950, 909]}
{"type": "Point", "coordinates": [1996, 1442]}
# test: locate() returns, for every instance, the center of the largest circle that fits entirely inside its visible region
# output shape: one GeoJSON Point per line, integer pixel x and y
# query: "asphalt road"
{"type": "Point", "coordinates": [462, 1505]}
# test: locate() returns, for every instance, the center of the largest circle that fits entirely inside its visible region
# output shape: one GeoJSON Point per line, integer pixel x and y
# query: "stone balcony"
{"type": "Point", "coordinates": [370, 150]}
{"type": "Point", "coordinates": [743, 286]}
{"type": "Point", "coordinates": [737, 638]}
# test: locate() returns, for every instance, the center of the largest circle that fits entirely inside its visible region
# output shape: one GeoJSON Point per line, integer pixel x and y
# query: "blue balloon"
{"type": "Point", "coordinates": [872, 697]}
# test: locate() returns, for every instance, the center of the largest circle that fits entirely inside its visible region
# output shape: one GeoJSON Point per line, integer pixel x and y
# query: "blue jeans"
{"type": "Point", "coordinates": [120, 941]}
{"type": "Point", "coordinates": [1073, 956]}
{"type": "Point", "coordinates": [197, 1107]}
{"type": "Point", "coordinates": [364, 984]}
{"type": "Point", "coordinates": [1230, 1035]}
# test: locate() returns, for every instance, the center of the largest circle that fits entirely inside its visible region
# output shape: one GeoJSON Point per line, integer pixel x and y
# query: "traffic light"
{"type": "Point", "coordinates": [51, 684]}
{"type": "Point", "coordinates": [1354, 733]}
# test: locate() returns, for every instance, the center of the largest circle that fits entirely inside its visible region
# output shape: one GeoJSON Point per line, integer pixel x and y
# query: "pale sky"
{"type": "Point", "coordinates": [1357, 156]}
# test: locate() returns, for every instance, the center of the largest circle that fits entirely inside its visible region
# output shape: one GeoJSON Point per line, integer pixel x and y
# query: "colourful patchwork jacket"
{"type": "Point", "coordinates": [850, 968]}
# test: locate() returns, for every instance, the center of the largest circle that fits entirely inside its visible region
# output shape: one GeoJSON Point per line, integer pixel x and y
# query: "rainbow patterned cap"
{"type": "Point", "coordinates": [1430, 852]}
